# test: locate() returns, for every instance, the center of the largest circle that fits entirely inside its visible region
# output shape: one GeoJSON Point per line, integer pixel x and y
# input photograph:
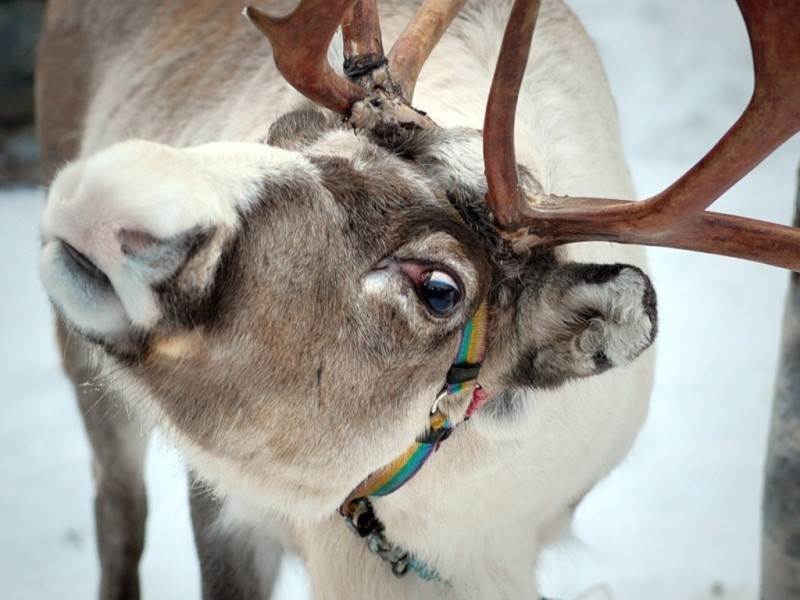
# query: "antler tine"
{"type": "Point", "coordinates": [414, 45]}
{"type": "Point", "coordinates": [300, 44]}
{"type": "Point", "coordinates": [304, 65]}
{"type": "Point", "coordinates": [506, 197]}
{"type": "Point", "coordinates": [674, 218]}
{"type": "Point", "coordinates": [364, 60]}
{"type": "Point", "coordinates": [361, 33]}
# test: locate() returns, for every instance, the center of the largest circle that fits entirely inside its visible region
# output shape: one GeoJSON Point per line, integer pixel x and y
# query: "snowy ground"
{"type": "Point", "coordinates": [678, 520]}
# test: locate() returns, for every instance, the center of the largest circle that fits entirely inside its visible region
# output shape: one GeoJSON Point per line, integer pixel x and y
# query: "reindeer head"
{"type": "Point", "coordinates": [290, 308]}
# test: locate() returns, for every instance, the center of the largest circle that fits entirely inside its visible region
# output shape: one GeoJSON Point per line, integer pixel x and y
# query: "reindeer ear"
{"type": "Point", "coordinates": [580, 320]}
{"type": "Point", "coordinates": [299, 129]}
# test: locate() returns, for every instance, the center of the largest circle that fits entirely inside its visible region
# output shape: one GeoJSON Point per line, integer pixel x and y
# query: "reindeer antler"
{"type": "Point", "coordinates": [300, 44]}
{"type": "Point", "coordinates": [363, 46]}
{"type": "Point", "coordinates": [674, 218]}
{"type": "Point", "coordinates": [418, 40]}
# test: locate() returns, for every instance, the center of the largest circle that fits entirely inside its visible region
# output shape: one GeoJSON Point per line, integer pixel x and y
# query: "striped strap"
{"type": "Point", "coordinates": [357, 509]}
{"type": "Point", "coordinates": [461, 377]}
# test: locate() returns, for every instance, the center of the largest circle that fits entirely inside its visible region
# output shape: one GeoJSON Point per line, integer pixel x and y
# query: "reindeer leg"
{"type": "Point", "coordinates": [234, 563]}
{"type": "Point", "coordinates": [118, 460]}
{"type": "Point", "coordinates": [780, 544]}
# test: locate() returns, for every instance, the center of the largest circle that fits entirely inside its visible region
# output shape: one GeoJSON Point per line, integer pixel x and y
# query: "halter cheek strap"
{"type": "Point", "coordinates": [461, 377]}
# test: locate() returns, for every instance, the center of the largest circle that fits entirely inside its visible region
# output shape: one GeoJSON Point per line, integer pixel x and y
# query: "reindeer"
{"type": "Point", "coordinates": [310, 298]}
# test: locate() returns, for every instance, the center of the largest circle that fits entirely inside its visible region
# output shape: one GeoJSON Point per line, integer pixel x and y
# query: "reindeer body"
{"type": "Point", "coordinates": [283, 423]}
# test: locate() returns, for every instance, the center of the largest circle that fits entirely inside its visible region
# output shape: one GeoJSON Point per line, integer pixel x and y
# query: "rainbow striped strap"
{"type": "Point", "coordinates": [472, 349]}
{"type": "Point", "coordinates": [394, 475]}
{"type": "Point", "coordinates": [357, 509]}
{"type": "Point", "coordinates": [461, 377]}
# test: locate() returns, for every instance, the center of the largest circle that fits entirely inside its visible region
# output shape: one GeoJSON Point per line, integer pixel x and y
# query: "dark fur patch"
{"type": "Point", "coordinates": [650, 303]}
{"type": "Point", "coordinates": [189, 308]}
{"type": "Point", "coordinates": [600, 274]}
{"type": "Point", "coordinates": [129, 351]}
{"type": "Point", "coordinates": [601, 361]}
{"type": "Point", "coordinates": [391, 212]}
{"type": "Point", "coordinates": [534, 372]}
{"type": "Point", "coordinates": [782, 489]}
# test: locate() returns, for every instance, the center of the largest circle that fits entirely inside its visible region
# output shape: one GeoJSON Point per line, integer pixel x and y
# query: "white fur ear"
{"type": "Point", "coordinates": [580, 320]}
{"type": "Point", "coordinates": [624, 324]}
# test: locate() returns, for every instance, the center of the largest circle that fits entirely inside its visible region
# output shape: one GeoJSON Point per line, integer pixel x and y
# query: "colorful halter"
{"type": "Point", "coordinates": [461, 377]}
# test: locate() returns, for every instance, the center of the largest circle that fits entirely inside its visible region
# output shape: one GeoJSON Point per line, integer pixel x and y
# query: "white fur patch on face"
{"type": "Point", "coordinates": [391, 288]}
{"type": "Point", "coordinates": [387, 286]}
{"type": "Point", "coordinates": [375, 283]}
{"type": "Point", "coordinates": [180, 346]}
{"type": "Point", "coordinates": [153, 191]}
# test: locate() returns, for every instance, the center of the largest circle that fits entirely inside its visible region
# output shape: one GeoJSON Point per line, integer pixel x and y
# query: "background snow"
{"type": "Point", "coordinates": [679, 518]}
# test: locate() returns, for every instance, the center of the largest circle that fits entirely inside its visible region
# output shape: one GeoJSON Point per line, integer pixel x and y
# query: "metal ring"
{"type": "Point", "coordinates": [439, 397]}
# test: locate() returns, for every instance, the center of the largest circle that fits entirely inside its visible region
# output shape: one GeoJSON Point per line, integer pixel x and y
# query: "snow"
{"type": "Point", "coordinates": [678, 519]}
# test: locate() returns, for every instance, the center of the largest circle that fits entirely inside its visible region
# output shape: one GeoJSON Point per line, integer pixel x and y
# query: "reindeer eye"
{"type": "Point", "coordinates": [439, 292]}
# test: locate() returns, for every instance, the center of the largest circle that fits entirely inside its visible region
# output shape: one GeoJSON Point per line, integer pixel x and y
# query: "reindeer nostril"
{"type": "Point", "coordinates": [85, 265]}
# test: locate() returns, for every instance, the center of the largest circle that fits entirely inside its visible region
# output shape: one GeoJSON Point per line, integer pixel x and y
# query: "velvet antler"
{"type": "Point", "coordinates": [300, 44]}
{"type": "Point", "coordinates": [676, 217]}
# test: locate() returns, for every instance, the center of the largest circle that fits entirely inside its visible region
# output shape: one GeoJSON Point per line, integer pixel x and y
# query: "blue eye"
{"type": "Point", "coordinates": [439, 292]}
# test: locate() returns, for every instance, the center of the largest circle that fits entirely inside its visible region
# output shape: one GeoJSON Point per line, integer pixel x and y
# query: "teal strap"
{"type": "Point", "coordinates": [425, 571]}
